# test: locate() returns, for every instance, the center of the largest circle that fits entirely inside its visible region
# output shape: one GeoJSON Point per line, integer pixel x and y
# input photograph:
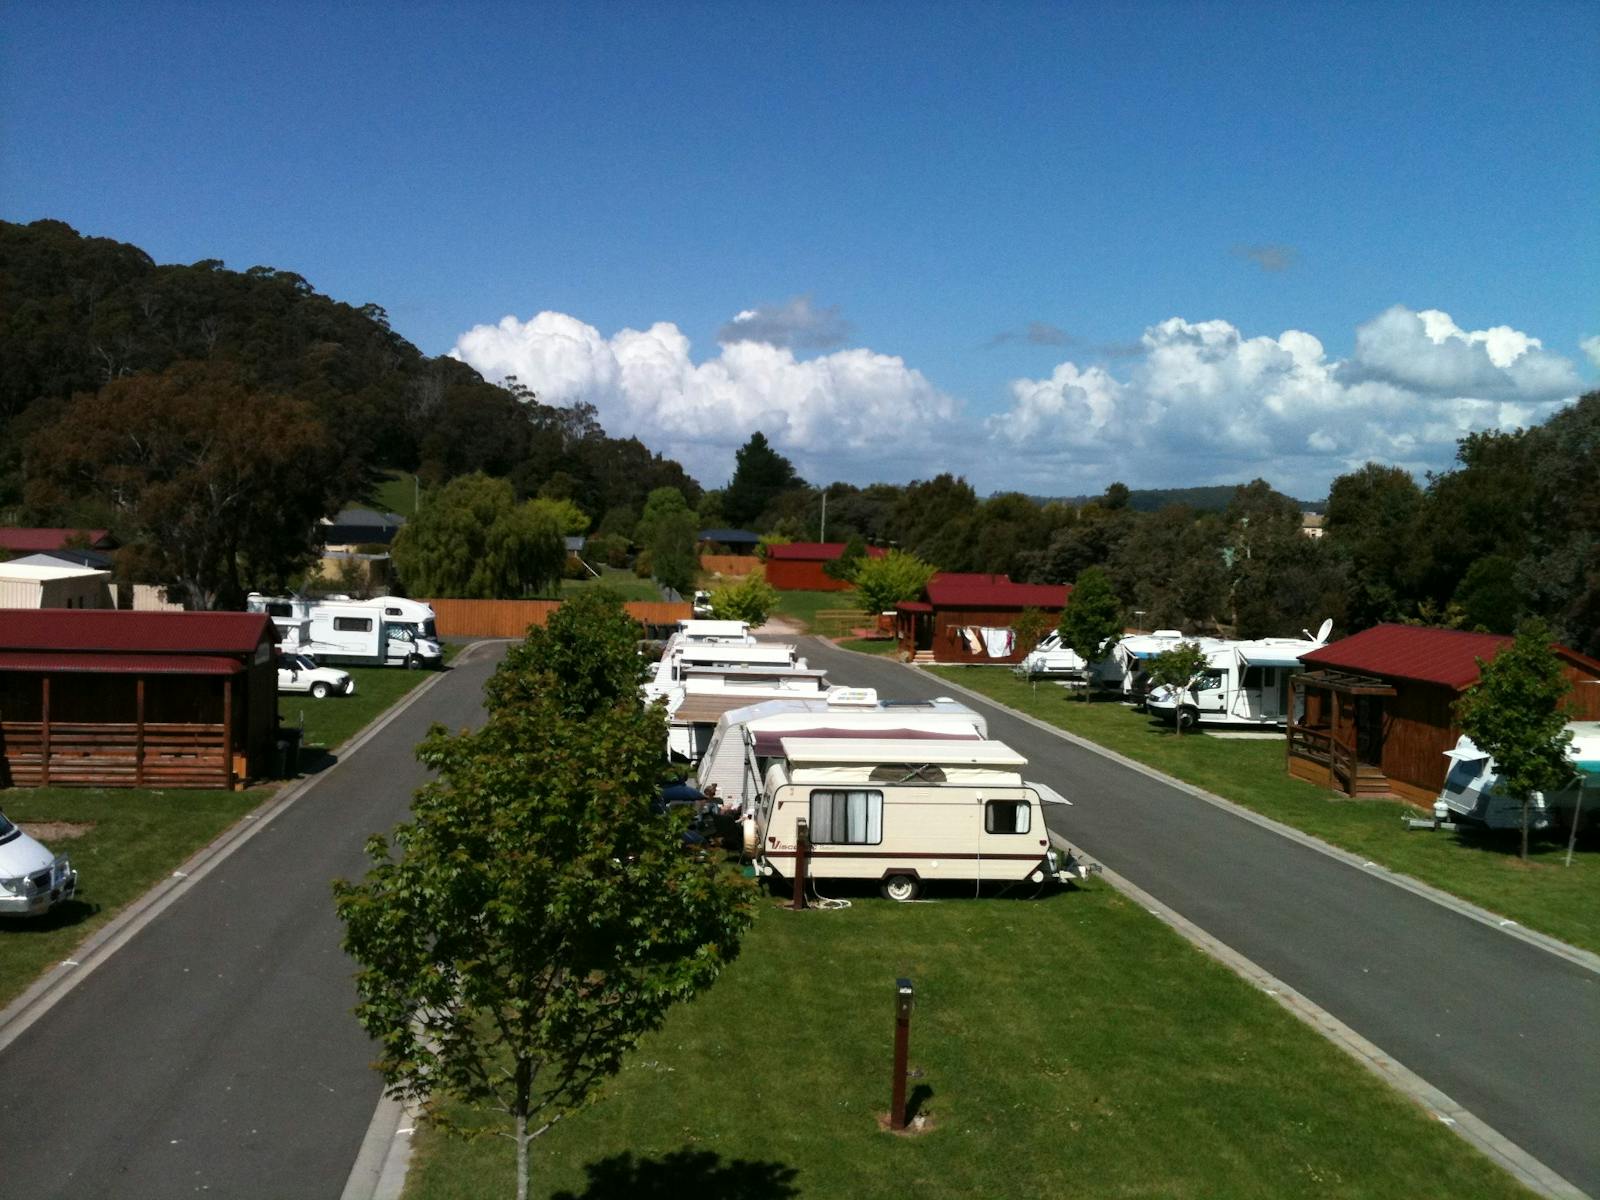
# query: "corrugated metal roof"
{"type": "Point", "coordinates": [121, 664]}
{"type": "Point", "coordinates": [1443, 656]}
{"type": "Point", "coordinates": [814, 551]}
{"type": "Point", "coordinates": [960, 590]}
{"type": "Point", "coordinates": [103, 630]}
{"type": "Point", "coordinates": [21, 541]}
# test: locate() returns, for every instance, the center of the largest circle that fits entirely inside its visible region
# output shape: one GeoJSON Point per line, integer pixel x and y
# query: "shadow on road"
{"type": "Point", "coordinates": [685, 1174]}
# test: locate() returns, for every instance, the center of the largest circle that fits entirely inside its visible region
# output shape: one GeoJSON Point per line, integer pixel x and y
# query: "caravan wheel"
{"type": "Point", "coordinates": [1188, 717]}
{"type": "Point", "coordinates": [901, 888]}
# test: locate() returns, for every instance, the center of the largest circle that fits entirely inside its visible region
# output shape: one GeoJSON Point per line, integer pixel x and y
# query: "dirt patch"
{"type": "Point", "coordinates": [778, 627]}
{"type": "Point", "coordinates": [55, 831]}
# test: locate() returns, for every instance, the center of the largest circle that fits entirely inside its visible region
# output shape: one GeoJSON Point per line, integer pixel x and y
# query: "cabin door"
{"type": "Point", "coordinates": [923, 628]}
{"type": "Point", "coordinates": [1369, 730]}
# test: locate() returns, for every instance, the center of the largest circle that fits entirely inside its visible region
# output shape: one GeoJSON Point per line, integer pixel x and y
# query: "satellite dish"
{"type": "Point", "coordinates": [1324, 630]}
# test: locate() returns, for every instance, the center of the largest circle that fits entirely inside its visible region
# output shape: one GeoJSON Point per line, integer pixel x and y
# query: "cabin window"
{"type": "Point", "coordinates": [1007, 816]}
{"type": "Point", "coordinates": [353, 624]}
{"type": "Point", "coordinates": [846, 818]}
{"type": "Point", "coordinates": [907, 773]}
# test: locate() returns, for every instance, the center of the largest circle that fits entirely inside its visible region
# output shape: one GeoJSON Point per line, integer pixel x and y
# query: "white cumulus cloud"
{"type": "Point", "coordinates": [1591, 348]}
{"type": "Point", "coordinates": [1202, 402]}
{"type": "Point", "coordinates": [833, 414]}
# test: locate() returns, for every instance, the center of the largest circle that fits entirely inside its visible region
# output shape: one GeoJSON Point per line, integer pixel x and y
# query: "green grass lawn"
{"type": "Point", "coordinates": [1540, 894]}
{"type": "Point", "coordinates": [396, 492]}
{"type": "Point", "coordinates": [869, 645]}
{"type": "Point", "coordinates": [802, 607]}
{"type": "Point", "coordinates": [1067, 1046]}
{"type": "Point", "coordinates": [134, 840]}
{"type": "Point", "coordinates": [628, 585]}
{"type": "Point", "coordinates": [330, 721]}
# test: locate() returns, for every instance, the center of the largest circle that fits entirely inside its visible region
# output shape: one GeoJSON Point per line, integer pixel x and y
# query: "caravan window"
{"type": "Point", "coordinates": [279, 608]}
{"type": "Point", "coordinates": [846, 818]}
{"type": "Point", "coordinates": [1007, 816]}
{"type": "Point", "coordinates": [1209, 680]}
{"type": "Point", "coordinates": [353, 624]}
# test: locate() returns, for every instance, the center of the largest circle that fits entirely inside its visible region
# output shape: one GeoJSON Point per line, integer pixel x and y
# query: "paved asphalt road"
{"type": "Point", "coordinates": [216, 1052]}
{"type": "Point", "coordinates": [1507, 1030]}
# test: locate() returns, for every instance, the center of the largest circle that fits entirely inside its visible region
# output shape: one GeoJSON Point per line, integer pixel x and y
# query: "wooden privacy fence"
{"type": "Point", "coordinates": [513, 618]}
{"type": "Point", "coordinates": [729, 564]}
{"type": "Point", "coordinates": [142, 754]}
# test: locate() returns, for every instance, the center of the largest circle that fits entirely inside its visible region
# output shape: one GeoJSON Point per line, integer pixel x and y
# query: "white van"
{"type": "Point", "coordinates": [905, 813]}
{"type": "Point", "coordinates": [384, 631]}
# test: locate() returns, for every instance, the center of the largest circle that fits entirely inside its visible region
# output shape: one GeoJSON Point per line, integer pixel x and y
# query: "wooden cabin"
{"type": "Point", "coordinates": [102, 698]}
{"type": "Point", "coordinates": [798, 566]}
{"type": "Point", "coordinates": [968, 618]}
{"type": "Point", "coordinates": [1373, 714]}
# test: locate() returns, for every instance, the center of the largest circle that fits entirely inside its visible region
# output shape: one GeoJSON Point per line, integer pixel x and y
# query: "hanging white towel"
{"type": "Point", "coordinates": [996, 640]}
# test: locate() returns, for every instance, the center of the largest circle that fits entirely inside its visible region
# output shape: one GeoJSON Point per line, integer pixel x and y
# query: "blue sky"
{"type": "Point", "coordinates": [1041, 246]}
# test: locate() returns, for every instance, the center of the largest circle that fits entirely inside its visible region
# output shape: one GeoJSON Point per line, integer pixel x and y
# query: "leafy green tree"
{"type": "Point", "coordinates": [472, 540]}
{"type": "Point", "coordinates": [1489, 597]}
{"type": "Point", "coordinates": [217, 481]}
{"type": "Point", "coordinates": [674, 554]}
{"type": "Point", "coordinates": [569, 518]}
{"type": "Point", "coordinates": [760, 474]}
{"type": "Point", "coordinates": [844, 567]}
{"type": "Point", "coordinates": [540, 917]}
{"type": "Point", "coordinates": [881, 583]}
{"type": "Point", "coordinates": [1029, 628]}
{"type": "Point", "coordinates": [1375, 519]}
{"type": "Point", "coordinates": [1514, 714]}
{"type": "Point", "coordinates": [660, 504]}
{"type": "Point", "coordinates": [934, 520]}
{"type": "Point", "coordinates": [750, 600]}
{"type": "Point", "coordinates": [1175, 668]}
{"type": "Point", "coordinates": [1092, 620]}
{"type": "Point", "coordinates": [583, 659]}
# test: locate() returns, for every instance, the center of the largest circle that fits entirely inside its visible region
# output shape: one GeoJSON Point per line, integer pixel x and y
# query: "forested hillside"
{"type": "Point", "coordinates": [209, 417]}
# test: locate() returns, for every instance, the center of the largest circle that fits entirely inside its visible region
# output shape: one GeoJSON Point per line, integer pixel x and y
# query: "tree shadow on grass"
{"type": "Point", "coordinates": [684, 1175]}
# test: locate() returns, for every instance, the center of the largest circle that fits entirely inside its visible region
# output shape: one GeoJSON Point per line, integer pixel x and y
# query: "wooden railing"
{"type": "Point", "coordinates": [1320, 746]}
{"type": "Point", "coordinates": [836, 622]}
{"type": "Point", "coordinates": [33, 754]}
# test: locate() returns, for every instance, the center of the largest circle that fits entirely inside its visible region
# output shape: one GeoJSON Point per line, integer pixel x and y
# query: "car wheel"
{"type": "Point", "coordinates": [412, 662]}
{"type": "Point", "coordinates": [901, 888]}
{"type": "Point", "coordinates": [1188, 718]}
{"type": "Point", "coordinates": [319, 690]}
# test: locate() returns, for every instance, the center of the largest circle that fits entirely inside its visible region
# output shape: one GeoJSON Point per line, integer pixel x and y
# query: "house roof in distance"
{"type": "Point", "coordinates": [1447, 657]}
{"type": "Point", "coordinates": [20, 540]}
{"type": "Point", "coordinates": [730, 537]}
{"type": "Point", "coordinates": [99, 631]}
{"type": "Point", "coordinates": [47, 571]}
{"type": "Point", "coordinates": [71, 558]}
{"type": "Point", "coordinates": [952, 589]}
{"type": "Point", "coordinates": [814, 551]}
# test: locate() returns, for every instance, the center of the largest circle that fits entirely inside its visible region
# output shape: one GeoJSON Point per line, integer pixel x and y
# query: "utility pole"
{"type": "Point", "coordinates": [824, 535]}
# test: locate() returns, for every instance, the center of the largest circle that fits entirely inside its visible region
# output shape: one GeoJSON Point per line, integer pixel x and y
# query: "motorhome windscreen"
{"type": "Point", "coordinates": [1462, 772]}
{"type": "Point", "coordinates": [846, 818]}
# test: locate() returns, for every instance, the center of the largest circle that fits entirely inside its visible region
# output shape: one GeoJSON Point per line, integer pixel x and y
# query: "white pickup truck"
{"type": "Point", "coordinates": [300, 673]}
{"type": "Point", "coordinates": [32, 880]}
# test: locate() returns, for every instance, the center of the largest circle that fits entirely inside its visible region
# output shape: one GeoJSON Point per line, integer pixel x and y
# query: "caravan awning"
{"type": "Point", "coordinates": [1270, 657]}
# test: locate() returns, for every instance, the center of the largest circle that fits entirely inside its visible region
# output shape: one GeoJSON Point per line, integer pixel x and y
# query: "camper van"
{"type": "Point", "coordinates": [387, 630]}
{"type": "Point", "coordinates": [906, 812]}
{"type": "Point", "coordinates": [746, 740]}
{"type": "Point", "coordinates": [703, 694]}
{"type": "Point", "coordinates": [1471, 794]}
{"type": "Point", "coordinates": [681, 657]}
{"type": "Point", "coordinates": [1244, 684]}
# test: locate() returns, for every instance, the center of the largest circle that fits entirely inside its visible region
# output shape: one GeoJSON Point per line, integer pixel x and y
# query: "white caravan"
{"type": "Point", "coordinates": [746, 740]}
{"type": "Point", "coordinates": [1471, 794]}
{"type": "Point", "coordinates": [905, 813]}
{"type": "Point", "coordinates": [702, 694]}
{"type": "Point", "coordinates": [681, 657]}
{"type": "Point", "coordinates": [1243, 684]}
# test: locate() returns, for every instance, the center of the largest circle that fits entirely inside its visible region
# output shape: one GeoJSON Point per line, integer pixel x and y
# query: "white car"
{"type": "Point", "coordinates": [300, 673]}
{"type": "Point", "coordinates": [32, 880]}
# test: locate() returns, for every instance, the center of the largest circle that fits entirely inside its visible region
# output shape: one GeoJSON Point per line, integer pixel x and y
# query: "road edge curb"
{"type": "Point", "coordinates": [1501, 1150]}
{"type": "Point", "coordinates": [1586, 959]}
{"type": "Point", "coordinates": [56, 983]}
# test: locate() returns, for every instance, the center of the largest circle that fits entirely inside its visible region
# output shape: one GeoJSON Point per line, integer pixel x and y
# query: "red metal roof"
{"type": "Point", "coordinates": [98, 631]}
{"type": "Point", "coordinates": [121, 664]}
{"type": "Point", "coordinates": [950, 589]}
{"type": "Point", "coordinates": [814, 551]}
{"type": "Point", "coordinates": [30, 541]}
{"type": "Point", "coordinates": [1444, 656]}
{"type": "Point", "coordinates": [913, 606]}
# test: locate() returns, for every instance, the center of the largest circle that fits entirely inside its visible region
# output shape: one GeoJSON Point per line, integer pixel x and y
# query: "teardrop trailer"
{"type": "Point", "coordinates": [906, 813]}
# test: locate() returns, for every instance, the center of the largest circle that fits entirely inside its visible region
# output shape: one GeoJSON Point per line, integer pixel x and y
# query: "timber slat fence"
{"type": "Point", "coordinates": [513, 618]}
{"type": "Point", "coordinates": [732, 565]}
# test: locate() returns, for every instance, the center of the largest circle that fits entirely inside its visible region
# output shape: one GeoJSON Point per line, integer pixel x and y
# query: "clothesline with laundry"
{"type": "Point", "coordinates": [996, 641]}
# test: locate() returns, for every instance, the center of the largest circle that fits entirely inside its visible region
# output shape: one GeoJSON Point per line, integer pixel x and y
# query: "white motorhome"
{"type": "Point", "coordinates": [905, 813]}
{"type": "Point", "coordinates": [1243, 683]}
{"type": "Point", "coordinates": [746, 740]}
{"type": "Point", "coordinates": [1471, 794]}
{"type": "Point", "coordinates": [682, 657]}
{"type": "Point", "coordinates": [384, 631]}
